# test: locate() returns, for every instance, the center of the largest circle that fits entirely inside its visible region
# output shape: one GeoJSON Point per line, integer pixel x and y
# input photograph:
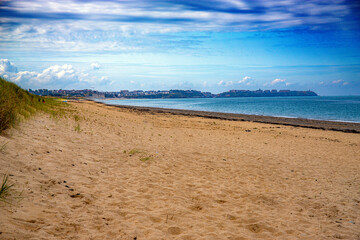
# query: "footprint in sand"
{"type": "Point", "coordinates": [196, 207]}
{"type": "Point", "coordinates": [155, 219]}
{"type": "Point", "coordinates": [174, 230]}
{"type": "Point", "coordinates": [255, 228]}
{"type": "Point", "coordinates": [230, 217]}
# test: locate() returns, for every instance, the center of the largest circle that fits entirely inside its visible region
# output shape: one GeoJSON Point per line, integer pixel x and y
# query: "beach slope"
{"type": "Point", "coordinates": [114, 173]}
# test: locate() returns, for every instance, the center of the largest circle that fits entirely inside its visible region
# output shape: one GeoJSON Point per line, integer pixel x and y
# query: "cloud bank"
{"type": "Point", "coordinates": [56, 75]}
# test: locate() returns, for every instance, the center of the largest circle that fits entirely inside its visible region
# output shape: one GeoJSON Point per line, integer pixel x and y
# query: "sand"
{"type": "Point", "coordinates": [351, 127]}
{"type": "Point", "coordinates": [125, 174]}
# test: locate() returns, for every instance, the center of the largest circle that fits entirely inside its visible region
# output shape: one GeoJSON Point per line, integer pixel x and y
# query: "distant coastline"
{"type": "Point", "coordinates": [140, 94]}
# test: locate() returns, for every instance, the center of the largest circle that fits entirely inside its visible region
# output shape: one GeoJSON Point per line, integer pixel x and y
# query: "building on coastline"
{"type": "Point", "coordinates": [169, 93]}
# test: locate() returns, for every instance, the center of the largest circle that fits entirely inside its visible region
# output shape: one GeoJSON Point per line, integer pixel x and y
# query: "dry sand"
{"type": "Point", "coordinates": [136, 175]}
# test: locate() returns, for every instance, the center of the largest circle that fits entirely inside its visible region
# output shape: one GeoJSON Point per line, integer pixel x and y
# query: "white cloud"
{"type": "Point", "coordinates": [244, 79]}
{"type": "Point", "coordinates": [53, 75]}
{"type": "Point", "coordinates": [132, 82]}
{"type": "Point", "coordinates": [24, 76]}
{"type": "Point", "coordinates": [62, 73]}
{"type": "Point", "coordinates": [277, 80]}
{"type": "Point", "coordinates": [288, 84]}
{"type": "Point", "coordinates": [226, 84]}
{"type": "Point", "coordinates": [229, 83]}
{"type": "Point", "coordinates": [7, 66]}
{"type": "Point", "coordinates": [337, 81]}
{"type": "Point", "coordinates": [95, 66]}
{"type": "Point", "coordinates": [340, 82]}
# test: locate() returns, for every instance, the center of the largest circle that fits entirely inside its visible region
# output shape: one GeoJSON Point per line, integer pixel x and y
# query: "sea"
{"type": "Point", "coordinates": [334, 108]}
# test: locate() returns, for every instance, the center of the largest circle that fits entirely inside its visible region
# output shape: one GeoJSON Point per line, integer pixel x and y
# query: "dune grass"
{"type": "Point", "coordinates": [5, 187]}
{"type": "Point", "coordinates": [17, 103]}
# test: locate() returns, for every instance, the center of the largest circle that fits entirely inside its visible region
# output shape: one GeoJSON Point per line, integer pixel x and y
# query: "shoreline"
{"type": "Point", "coordinates": [348, 127]}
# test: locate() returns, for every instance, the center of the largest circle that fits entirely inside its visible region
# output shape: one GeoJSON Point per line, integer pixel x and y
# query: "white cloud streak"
{"type": "Point", "coordinates": [214, 15]}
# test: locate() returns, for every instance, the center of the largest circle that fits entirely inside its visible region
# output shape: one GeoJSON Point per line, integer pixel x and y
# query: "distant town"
{"type": "Point", "coordinates": [169, 94]}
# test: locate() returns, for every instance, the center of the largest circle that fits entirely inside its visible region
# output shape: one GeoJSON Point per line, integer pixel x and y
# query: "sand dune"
{"type": "Point", "coordinates": [124, 174]}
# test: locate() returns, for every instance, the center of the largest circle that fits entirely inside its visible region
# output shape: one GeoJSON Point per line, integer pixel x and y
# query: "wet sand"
{"type": "Point", "coordinates": [121, 173]}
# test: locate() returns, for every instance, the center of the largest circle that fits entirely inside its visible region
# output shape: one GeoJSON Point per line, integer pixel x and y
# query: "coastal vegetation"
{"type": "Point", "coordinates": [17, 103]}
{"type": "Point", "coordinates": [5, 187]}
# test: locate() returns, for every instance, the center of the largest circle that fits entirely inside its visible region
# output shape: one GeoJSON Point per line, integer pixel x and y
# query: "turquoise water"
{"type": "Point", "coordinates": [345, 108]}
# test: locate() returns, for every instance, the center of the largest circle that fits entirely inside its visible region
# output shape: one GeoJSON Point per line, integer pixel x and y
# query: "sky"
{"type": "Point", "coordinates": [212, 45]}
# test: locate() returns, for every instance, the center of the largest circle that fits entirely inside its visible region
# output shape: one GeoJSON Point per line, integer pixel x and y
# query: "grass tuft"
{"type": "Point", "coordinates": [76, 118]}
{"type": "Point", "coordinates": [3, 147]}
{"type": "Point", "coordinates": [5, 187]}
{"type": "Point", "coordinates": [144, 159]}
{"type": "Point", "coordinates": [134, 151]}
{"type": "Point", "coordinates": [77, 128]}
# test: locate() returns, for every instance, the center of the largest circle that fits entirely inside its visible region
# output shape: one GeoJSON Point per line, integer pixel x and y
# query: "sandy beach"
{"type": "Point", "coordinates": [118, 173]}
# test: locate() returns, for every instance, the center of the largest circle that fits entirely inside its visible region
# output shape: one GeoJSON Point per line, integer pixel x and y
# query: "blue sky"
{"type": "Point", "coordinates": [213, 45]}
